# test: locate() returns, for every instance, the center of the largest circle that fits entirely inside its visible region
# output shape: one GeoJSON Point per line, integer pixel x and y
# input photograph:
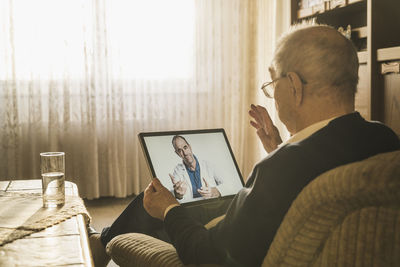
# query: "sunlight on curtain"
{"type": "Point", "coordinates": [42, 39]}
{"type": "Point", "coordinates": [273, 20]}
{"type": "Point", "coordinates": [151, 39]}
{"type": "Point", "coordinates": [85, 77]}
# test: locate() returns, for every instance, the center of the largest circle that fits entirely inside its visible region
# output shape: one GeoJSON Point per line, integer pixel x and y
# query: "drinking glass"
{"type": "Point", "coordinates": [52, 166]}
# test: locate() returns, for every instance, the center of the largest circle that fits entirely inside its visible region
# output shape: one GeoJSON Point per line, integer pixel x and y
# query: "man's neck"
{"type": "Point", "coordinates": [312, 117]}
{"type": "Point", "coordinates": [192, 166]}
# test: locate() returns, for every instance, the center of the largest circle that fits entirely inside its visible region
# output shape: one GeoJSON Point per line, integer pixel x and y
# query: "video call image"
{"type": "Point", "coordinates": [194, 166]}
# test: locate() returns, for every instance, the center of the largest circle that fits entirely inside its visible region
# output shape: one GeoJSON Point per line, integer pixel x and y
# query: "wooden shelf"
{"type": "Point", "coordinates": [362, 57]}
{"type": "Point", "coordinates": [361, 32]}
{"type": "Point", "coordinates": [326, 8]}
{"type": "Point", "coordinates": [354, 1]}
{"type": "Point", "coordinates": [387, 54]}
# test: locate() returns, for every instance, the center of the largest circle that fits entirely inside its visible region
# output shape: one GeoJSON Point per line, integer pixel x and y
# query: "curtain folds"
{"type": "Point", "coordinates": [77, 90]}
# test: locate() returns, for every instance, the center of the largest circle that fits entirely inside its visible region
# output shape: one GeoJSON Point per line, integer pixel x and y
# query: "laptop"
{"type": "Point", "coordinates": [197, 166]}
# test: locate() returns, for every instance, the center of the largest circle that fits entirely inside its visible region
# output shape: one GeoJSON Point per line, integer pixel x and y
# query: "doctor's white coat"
{"type": "Point", "coordinates": [207, 172]}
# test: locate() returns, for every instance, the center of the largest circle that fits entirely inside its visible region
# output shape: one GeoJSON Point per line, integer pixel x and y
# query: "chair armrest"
{"type": "Point", "coordinates": [141, 250]}
{"type": "Point", "coordinates": [136, 249]}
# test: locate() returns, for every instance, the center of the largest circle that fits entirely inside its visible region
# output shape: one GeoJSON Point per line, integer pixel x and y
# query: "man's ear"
{"type": "Point", "coordinates": [297, 87]}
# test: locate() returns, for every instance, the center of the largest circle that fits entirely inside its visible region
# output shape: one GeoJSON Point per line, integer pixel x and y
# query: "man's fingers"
{"type": "Point", "coordinates": [156, 184]}
{"type": "Point", "coordinates": [255, 125]}
{"type": "Point", "coordinates": [261, 116]}
{"type": "Point", "coordinates": [266, 119]}
{"type": "Point", "coordinates": [178, 185]}
{"type": "Point", "coordinates": [205, 182]}
{"type": "Point", "coordinates": [253, 112]}
{"type": "Point", "coordinates": [172, 178]}
{"type": "Point", "coordinates": [265, 128]}
{"type": "Point", "coordinates": [204, 193]}
{"type": "Point", "coordinates": [149, 189]}
{"type": "Point", "coordinates": [203, 190]}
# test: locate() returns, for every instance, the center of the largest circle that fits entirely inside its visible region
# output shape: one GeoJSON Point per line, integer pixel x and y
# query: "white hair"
{"type": "Point", "coordinates": [321, 56]}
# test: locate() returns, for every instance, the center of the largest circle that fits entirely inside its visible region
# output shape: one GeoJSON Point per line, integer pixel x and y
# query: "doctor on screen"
{"type": "Point", "coordinates": [193, 178]}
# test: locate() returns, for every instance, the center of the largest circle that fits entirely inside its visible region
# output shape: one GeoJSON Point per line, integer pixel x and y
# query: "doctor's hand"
{"type": "Point", "coordinates": [180, 187]}
{"type": "Point", "coordinates": [157, 198]}
{"type": "Point", "coordinates": [266, 130]}
{"type": "Point", "coordinates": [208, 192]}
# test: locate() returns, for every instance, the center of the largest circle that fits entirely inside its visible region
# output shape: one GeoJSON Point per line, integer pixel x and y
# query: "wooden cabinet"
{"type": "Point", "coordinates": [389, 60]}
{"type": "Point", "coordinates": [375, 26]}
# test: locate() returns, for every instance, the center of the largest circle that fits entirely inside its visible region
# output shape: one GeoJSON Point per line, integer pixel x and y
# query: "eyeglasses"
{"type": "Point", "coordinates": [269, 87]}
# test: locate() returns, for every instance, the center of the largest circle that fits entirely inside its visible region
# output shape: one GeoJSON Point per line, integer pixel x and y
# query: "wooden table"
{"type": "Point", "coordinates": [65, 243]}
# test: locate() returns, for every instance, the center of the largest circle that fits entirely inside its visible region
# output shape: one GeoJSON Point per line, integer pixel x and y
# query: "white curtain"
{"type": "Point", "coordinates": [273, 21]}
{"type": "Point", "coordinates": [85, 77]}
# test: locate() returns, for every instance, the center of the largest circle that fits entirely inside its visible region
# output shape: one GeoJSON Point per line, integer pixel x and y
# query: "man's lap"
{"type": "Point", "coordinates": [135, 219]}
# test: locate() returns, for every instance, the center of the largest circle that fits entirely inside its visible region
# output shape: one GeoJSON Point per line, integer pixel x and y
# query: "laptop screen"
{"type": "Point", "coordinates": [195, 165]}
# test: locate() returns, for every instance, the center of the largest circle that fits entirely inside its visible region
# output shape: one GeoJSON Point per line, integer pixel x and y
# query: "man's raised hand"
{"type": "Point", "coordinates": [266, 130]}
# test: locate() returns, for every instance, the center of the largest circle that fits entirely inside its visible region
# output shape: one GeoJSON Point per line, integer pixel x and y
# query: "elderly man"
{"type": "Point", "coordinates": [314, 78]}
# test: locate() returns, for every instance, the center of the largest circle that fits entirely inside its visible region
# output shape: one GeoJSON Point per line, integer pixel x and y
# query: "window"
{"type": "Point", "coordinates": [151, 39]}
{"type": "Point", "coordinates": [132, 39]}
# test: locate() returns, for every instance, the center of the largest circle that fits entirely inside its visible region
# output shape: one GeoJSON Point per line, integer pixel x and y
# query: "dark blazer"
{"type": "Point", "coordinates": [252, 219]}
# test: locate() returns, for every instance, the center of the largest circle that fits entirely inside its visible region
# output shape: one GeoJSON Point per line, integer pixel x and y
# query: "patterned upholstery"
{"type": "Point", "coordinates": [142, 250]}
{"type": "Point", "coordinates": [348, 216]}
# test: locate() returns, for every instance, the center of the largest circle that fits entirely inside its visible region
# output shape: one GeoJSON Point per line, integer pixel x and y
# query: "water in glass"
{"type": "Point", "coordinates": [53, 189]}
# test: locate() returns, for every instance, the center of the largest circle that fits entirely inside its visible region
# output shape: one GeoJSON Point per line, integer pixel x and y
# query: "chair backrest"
{"type": "Point", "coordinates": [348, 216]}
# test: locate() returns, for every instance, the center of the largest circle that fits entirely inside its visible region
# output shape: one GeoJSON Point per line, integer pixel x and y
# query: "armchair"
{"type": "Point", "coordinates": [348, 216]}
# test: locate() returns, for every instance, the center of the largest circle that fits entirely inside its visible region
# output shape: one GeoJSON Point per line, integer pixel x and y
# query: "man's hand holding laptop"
{"type": "Point", "coordinates": [157, 199]}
